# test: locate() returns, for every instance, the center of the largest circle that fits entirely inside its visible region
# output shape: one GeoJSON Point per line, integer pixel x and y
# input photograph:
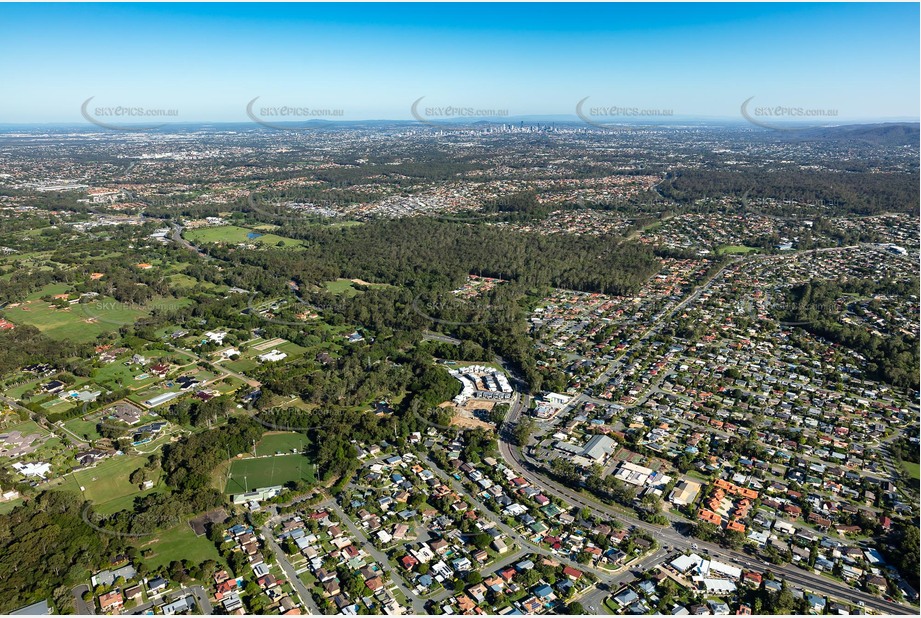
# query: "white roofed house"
{"type": "Point", "coordinates": [272, 357]}
{"type": "Point", "coordinates": [683, 564]}
{"type": "Point", "coordinates": [33, 469]}
{"type": "Point", "coordinates": [216, 336]}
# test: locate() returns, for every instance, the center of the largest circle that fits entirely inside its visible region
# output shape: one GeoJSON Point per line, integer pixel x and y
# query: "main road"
{"type": "Point", "coordinates": [515, 459]}
{"type": "Point", "coordinates": [668, 535]}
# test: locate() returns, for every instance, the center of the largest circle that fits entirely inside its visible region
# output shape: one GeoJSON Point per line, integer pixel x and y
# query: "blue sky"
{"type": "Point", "coordinates": [373, 60]}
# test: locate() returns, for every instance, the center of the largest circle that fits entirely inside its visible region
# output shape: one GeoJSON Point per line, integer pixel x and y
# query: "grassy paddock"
{"type": "Point", "coordinates": [107, 482]}
{"type": "Point", "coordinates": [233, 234]}
{"type": "Point", "coordinates": [179, 543]}
{"type": "Point", "coordinates": [734, 249]}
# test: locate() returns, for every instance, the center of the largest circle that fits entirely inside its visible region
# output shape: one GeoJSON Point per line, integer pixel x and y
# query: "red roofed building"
{"type": "Point", "coordinates": [111, 601]}
{"type": "Point", "coordinates": [408, 562]}
{"type": "Point", "coordinates": [226, 586]}
{"type": "Point", "coordinates": [571, 573]}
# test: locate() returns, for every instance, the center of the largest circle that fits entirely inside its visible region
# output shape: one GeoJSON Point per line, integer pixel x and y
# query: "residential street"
{"type": "Point", "coordinates": [397, 578]}
{"type": "Point", "coordinates": [290, 571]}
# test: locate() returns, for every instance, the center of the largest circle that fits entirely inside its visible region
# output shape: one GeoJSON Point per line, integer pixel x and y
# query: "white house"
{"type": "Point", "coordinates": [33, 469]}
{"type": "Point", "coordinates": [273, 356]}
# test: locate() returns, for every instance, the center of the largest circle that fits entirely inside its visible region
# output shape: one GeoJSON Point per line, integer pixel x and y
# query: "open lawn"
{"type": "Point", "coordinates": [9, 505]}
{"type": "Point", "coordinates": [347, 286]}
{"type": "Point", "coordinates": [180, 282]}
{"type": "Point", "coordinates": [80, 322]}
{"type": "Point", "coordinates": [248, 474]}
{"type": "Point", "coordinates": [17, 391]}
{"type": "Point", "coordinates": [106, 485]}
{"type": "Point", "coordinates": [734, 249]}
{"type": "Point", "coordinates": [82, 428]}
{"type": "Point", "coordinates": [116, 375]}
{"type": "Point", "coordinates": [179, 543]}
{"type": "Point", "coordinates": [241, 365]}
{"type": "Point", "coordinates": [233, 235]}
{"type": "Point", "coordinates": [24, 427]}
{"type": "Point", "coordinates": [459, 364]}
{"type": "Point", "coordinates": [913, 470]}
{"type": "Point", "coordinates": [341, 286]}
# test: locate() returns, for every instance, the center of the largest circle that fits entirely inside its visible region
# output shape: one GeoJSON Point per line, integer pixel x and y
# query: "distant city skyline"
{"type": "Point", "coordinates": [826, 63]}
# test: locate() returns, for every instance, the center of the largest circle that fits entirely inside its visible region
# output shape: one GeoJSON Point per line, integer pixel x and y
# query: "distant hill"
{"type": "Point", "coordinates": [887, 134]}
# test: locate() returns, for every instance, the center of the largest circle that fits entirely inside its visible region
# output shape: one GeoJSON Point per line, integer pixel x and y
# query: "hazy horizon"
{"type": "Point", "coordinates": [357, 62]}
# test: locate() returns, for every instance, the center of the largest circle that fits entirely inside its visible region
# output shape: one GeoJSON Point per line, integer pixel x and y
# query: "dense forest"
{"type": "Point", "coordinates": [853, 192]}
{"type": "Point", "coordinates": [423, 253]}
{"type": "Point", "coordinates": [46, 547]}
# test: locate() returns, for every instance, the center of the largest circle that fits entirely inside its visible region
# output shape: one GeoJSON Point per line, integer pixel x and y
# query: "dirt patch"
{"type": "Point", "coordinates": [199, 524]}
{"type": "Point", "coordinates": [472, 414]}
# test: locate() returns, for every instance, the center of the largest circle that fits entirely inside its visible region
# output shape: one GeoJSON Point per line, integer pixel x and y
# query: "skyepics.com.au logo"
{"type": "Point", "coordinates": [610, 117]}
{"type": "Point", "coordinates": [122, 313]}
{"type": "Point", "coordinates": [294, 117]}
{"type": "Point", "coordinates": [453, 310]}
{"type": "Point", "coordinates": [445, 115]}
{"type": "Point", "coordinates": [125, 117]}
{"type": "Point", "coordinates": [784, 117]}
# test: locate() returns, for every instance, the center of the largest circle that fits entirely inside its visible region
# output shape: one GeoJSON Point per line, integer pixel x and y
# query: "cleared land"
{"type": "Point", "coordinates": [234, 235]}
{"type": "Point", "coordinates": [79, 322]}
{"type": "Point", "coordinates": [107, 485]}
{"type": "Point", "coordinates": [347, 286]}
{"type": "Point", "coordinates": [734, 249]}
{"type": "Point", "coordinates": [179, 543]}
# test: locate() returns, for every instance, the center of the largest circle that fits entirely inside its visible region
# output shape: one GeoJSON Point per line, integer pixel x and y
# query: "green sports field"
{"type": "Point", "coordinates": [178, 543]}
{"type": "Point", "coordinates": [248, 474]}
{"type": "Point", "coordinates": [273, 443]}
